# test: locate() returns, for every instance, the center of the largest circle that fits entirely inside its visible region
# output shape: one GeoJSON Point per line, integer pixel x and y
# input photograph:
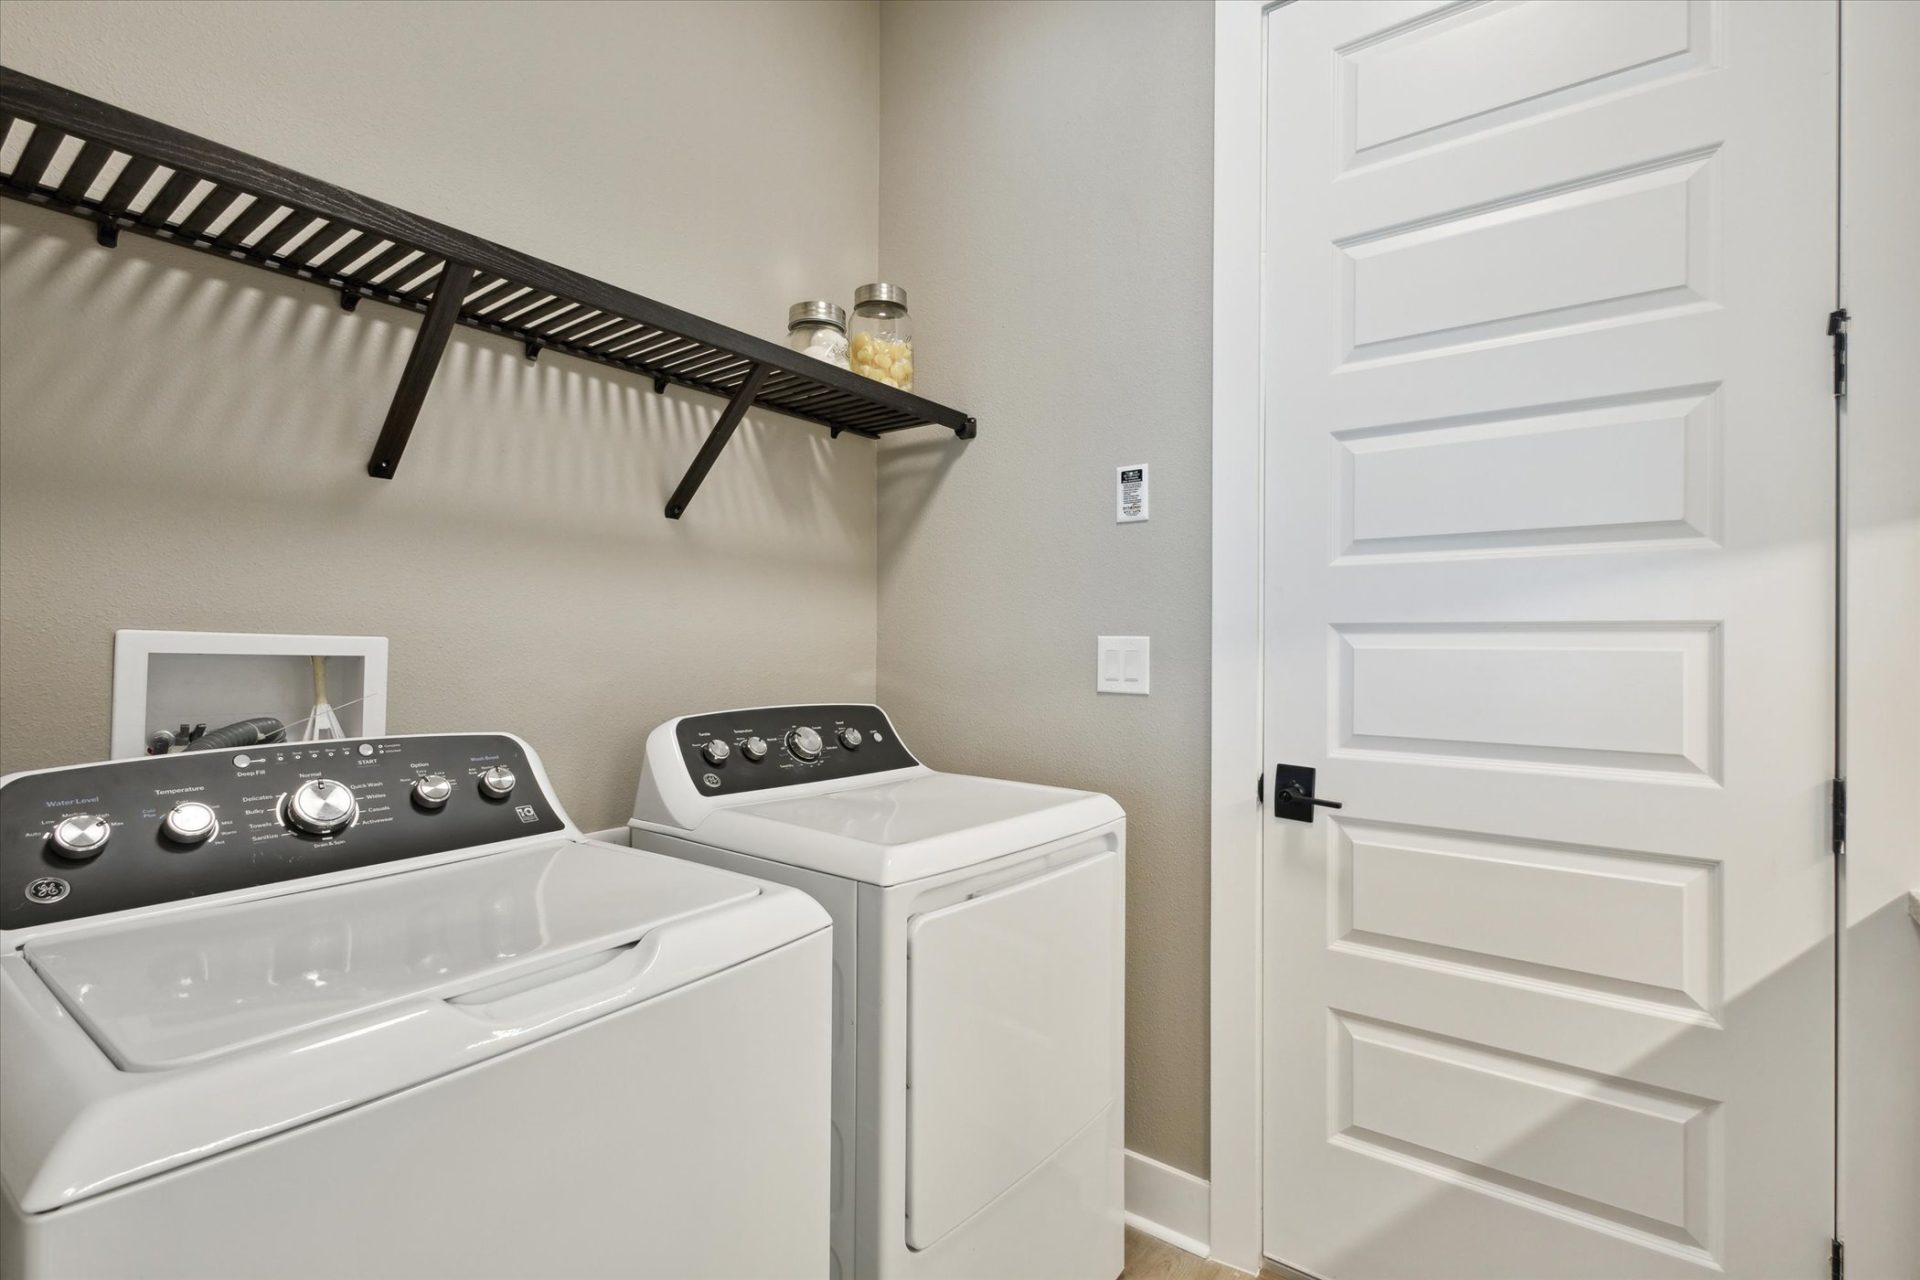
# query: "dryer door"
{"type": "Point", "coordinates": [1013, 1010]}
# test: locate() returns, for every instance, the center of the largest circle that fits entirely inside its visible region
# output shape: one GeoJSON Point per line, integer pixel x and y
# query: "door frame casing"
{"type": "Point", "coordinates": [1235, 1015]}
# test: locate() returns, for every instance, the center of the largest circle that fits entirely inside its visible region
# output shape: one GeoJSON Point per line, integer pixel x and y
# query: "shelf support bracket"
{"type": "Point", "coordinates": [716, 441]}
{"type": "Point", "coordinates": [417, 377]}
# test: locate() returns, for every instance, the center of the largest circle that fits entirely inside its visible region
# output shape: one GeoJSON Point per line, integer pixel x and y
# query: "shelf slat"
{"type": "Point", "coordinates": [501, 290]}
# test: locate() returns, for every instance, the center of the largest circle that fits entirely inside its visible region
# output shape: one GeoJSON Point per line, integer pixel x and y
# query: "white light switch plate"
{"type": "Point", "coordinates": [1122, 664]}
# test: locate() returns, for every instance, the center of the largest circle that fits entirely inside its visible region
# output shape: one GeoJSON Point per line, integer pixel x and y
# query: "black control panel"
{"type": "Point", "coordinates": [731, 752]}
{"type": "Point", "coordinates": [135, 833]}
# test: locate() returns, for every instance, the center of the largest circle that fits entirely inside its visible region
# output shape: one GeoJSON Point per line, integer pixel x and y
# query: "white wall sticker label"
{"type": "Point", "coordinates": [1131, 500]}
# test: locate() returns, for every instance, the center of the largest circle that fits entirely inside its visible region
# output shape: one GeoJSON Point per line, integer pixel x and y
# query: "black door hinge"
{"type": "Point", "coordinates": [1837, 1259]}
{"type": "Point", "coordinates": [1260, 789]}
{"type": "Point", "coordinates": [1837, 330]}
{"type": "Point", "coordinates": [1838, 802]}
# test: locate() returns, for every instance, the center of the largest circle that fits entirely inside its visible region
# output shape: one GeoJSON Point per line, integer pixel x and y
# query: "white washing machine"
{"type": "Point", "coordinates": [978, 934]}
{"type": "Point", "coordinates": [375, 1008]}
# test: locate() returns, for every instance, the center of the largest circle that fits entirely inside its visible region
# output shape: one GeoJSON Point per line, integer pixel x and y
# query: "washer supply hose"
{"type": "Point", "coordinates": [241, 733]}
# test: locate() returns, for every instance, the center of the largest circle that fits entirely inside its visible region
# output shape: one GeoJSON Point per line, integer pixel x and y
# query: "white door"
{"type": "Point", "coordinates": [1549, 600]}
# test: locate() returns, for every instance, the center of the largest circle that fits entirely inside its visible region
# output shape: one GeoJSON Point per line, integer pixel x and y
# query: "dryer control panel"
{"type": "Point", "coordinates": [97, 838]}
{"type": "Point", "coordinates": [731, 752]}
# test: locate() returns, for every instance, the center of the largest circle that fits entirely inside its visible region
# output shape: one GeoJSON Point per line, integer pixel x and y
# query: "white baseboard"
{"type": "Point", "coordinates": [1168, 1203]}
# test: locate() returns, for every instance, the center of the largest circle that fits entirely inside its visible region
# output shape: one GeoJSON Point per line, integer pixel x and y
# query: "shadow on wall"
{"type": "Point", "coordinates": [910, 473]}
{"type": "Point", "coordinates": [171, 369]}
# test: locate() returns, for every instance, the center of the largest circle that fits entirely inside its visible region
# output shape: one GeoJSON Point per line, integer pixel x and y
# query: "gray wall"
{"type": "Point", "coordinates": [1880, 1179]}
{"type": "Point", "coordinates": [184, 441]}
{"type": "Point", "coordinates": [1046, 197]}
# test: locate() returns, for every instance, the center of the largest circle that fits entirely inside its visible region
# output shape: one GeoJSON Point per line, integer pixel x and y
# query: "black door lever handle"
{"type": "Point", "coordinates": [1293, 797]}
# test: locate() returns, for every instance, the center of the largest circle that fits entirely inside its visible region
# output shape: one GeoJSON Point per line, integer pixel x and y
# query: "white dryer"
{"type": "Point", "coordinates": [979, 943]}
{"type": "Point", "coordinates": [376, 1008]}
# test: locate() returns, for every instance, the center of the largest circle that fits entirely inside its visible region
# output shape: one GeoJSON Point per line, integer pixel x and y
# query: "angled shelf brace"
{"type": "Point", "coordinates": [442, 310]}
{"type": "Point", "coordinates": [92, 160]}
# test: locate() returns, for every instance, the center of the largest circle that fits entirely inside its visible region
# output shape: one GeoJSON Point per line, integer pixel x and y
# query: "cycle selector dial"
{"type": "Point", "coordinates": [81, 836]}
{"type": "Point", "coordinates": [321, 807]}
{"type": "Point", "coordinates": [850, 738]}
{"type": "Point", "coordinates": [804, 743]}
{"type": "Point", "coordinates": [497, 783]}
{"type": "Point", "coordinates": [716, 752]}
{"type": "Point", "coordinates": [432, 791]}
{"type": "Point", "coordinates": [754, 749]}
{"type": "Point", "coordinates": [190, 822]}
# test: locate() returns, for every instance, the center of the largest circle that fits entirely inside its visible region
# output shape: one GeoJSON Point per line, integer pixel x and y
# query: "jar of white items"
{"type": "Point", "coordinates": [818, 329]}
{"type": "Point", "coordinates": [881, 338]}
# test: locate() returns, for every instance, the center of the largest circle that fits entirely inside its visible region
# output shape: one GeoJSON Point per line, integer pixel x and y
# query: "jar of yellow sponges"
{"type": "Point", "coordinates": [880, 338]}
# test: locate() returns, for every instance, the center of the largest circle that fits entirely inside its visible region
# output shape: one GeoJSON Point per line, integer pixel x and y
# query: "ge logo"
{"type": "Point", "coordinates": [47, 889]}
{"type": "Point", "coordinates": [526, 813]}
{"type": "Point", "coordinates": [712, 779]}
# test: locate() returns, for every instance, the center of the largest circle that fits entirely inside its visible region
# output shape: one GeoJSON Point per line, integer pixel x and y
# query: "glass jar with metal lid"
{"type": "Point", "coordinates": [818, 329]}
{"type": "Point", "coordinates": [880, 340]}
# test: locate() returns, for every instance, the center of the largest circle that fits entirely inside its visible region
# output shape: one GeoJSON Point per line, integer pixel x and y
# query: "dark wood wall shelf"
{"type": "Point", "coordinates": [95, 161]}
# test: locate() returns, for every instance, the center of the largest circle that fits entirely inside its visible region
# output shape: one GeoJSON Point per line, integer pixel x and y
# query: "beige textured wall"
{"type": "Point", "coordinates": [1880, 140]}
{"type": "Point", "coordinates": [1046, 197]}
{"type": "Point", "coordinates": [183, 442]}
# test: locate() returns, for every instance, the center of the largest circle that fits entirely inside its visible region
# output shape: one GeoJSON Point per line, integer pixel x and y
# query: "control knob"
{"type": "Point", "coordinates": [716, 751]}
{"type": "Point", "coordinates": [754, 748]}
{"type": "Point", "coordinates": [81, 836]}
{"type": "Point", "coordinates": [497, 782]}
{"type": "Point", "coordinates": [432, 791]}
{"type": "Point", "coordinates": [850, 738]}
{"type": "Point", "coordinates": [190, 822]}
{"type": "Point", "coordinates": [321, 807]}
{"type": "Point", "coordinates": [804, 743]}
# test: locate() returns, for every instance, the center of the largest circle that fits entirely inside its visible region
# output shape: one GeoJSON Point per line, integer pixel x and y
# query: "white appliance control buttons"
{"type": "Point", "coordinates": [321, 807]}
{"type": "Point", "coordinates": [432, 791]}
{"type": "Point", "coordinates": [190, 822]}
{"type": "Point", "coordinates": [716, 751]}
{"type": "Point", "coordinates": [81, 836]}
{"type": "Point", "coordinates": [497, 783]}
{"type": "Point", "coordinates": [850, 739]}
{"type": "Point", "coordinates": [804, 743]}
{"type": "Point", "coordinates": [755, 749]}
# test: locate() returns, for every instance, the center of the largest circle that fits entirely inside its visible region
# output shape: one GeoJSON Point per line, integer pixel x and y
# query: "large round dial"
{"type": "Point", "coordinates": [321, 807]}
{"type": "Point", "coordinates": [81, 836]}
{"type": "Point", "coordinates": [432, 791]}
{"type": "Point", "coordinates": [497, 783]}
{"type": "Point", "coordinates": [804, 743]}
{"type": "Point", "coordinates": [190, 822]}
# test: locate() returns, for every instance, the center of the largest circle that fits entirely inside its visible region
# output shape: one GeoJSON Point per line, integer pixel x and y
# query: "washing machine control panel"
{"type": "Point", "coordinates": [730, 752]}
{"type": "Point", "coordinates": [138, 833]}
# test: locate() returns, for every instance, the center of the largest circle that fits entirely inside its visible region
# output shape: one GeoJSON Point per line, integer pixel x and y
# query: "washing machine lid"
{"type": "Point", "coordinates": [134, 1049]}
{"type": "Point", "coordinates": [901, 829]}
{"type": "Point", "coordinates": [190, 986]}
